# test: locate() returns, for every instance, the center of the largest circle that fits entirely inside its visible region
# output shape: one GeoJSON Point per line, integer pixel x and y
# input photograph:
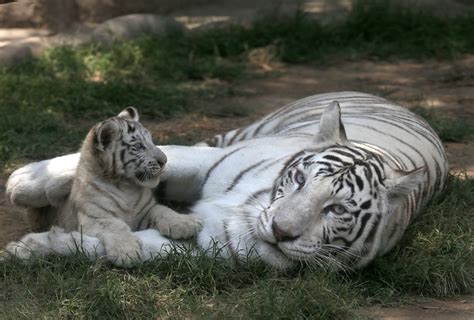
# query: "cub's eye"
{"type": "Point", "coordinates": [299, 178]}
{"type": "Point", "coordinates": [336, 209]}
{"type": "Point", "coordinates": [139, 145]}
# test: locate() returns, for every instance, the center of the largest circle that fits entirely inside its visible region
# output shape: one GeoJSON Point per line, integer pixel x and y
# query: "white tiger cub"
{"type": "Point", "coordinates": [316, 182]}
{"type": "Point", "coordinates": [111, 193]}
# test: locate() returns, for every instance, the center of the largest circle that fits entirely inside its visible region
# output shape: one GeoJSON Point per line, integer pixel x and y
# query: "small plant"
{"type": "Point", "coordinates": [448, 129]}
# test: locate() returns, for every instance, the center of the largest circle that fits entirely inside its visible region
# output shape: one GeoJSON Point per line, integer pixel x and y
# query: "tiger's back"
{"type": "Point", "coordinates": [404, 139]}
{"type": "Point", "coordinates": [380, 128]}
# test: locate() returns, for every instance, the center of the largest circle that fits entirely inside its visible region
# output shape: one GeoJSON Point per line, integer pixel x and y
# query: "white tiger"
{"type": "Point", "coordinates": [112, 192]}
{"type": "Point", "coordinates": [300, 185]}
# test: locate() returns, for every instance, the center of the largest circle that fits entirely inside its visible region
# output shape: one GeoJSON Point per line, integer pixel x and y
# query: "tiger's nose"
{"type": "Point", "coordinates": [281, 235]}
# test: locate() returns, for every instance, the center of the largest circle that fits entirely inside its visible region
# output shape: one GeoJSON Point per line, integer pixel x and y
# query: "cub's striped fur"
{"type": "Point", "coordinates": [111, 193]}
{"type": "Point", "coordinates": [330, 179]}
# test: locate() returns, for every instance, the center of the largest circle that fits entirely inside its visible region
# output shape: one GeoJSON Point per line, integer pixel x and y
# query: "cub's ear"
{"type": "Point", "coordinates": [331, 129]}
{"type": "Point", "coordinates": [400, 183]}
{"type": "Point", "coordinates": [105, 133]}
{"type": "Point", "coordinates": [129, 113]}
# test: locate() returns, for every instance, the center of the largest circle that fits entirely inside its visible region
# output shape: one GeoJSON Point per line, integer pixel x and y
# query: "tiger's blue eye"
{"type": "Point", "coordinates": [336, 209]}
{"type": "Point", "coordinates": [139, 145]}
{"type": "Point", "coordinates": [299, 178]}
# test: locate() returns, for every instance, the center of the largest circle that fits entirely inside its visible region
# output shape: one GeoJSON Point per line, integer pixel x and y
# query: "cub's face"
{"type": "Point", "coordinates": [140, 159]}
{"type": "Point", "coordinates": [330, 207]}
{"type": "Point", "coordinates": [128, 150]}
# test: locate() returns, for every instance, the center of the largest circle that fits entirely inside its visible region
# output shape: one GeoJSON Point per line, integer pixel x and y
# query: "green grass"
{"type": "Point", "coordinates": [373, 29]}
{"type": "Point", "coordinates": [448, 129]}
{"type": "Point", "coordinates": [49, 104]}
{"type": "Point", "coordinates": [434, 259]}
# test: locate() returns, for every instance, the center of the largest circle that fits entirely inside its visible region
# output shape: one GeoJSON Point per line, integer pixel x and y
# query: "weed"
{"type": "Point", "coordinates": [448, 129]}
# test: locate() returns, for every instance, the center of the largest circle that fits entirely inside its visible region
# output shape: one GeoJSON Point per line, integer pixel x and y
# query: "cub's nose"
{"type": "Point", "coordinates": [281, 235]}
{"type": "Point", "coordinates": [160, 157]}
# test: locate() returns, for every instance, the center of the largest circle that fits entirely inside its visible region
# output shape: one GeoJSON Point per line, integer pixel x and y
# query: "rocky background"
{"type": "Point", "coordinates": [27, 27]}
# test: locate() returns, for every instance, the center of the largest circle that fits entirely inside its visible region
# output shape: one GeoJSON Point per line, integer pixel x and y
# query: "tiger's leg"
{"type": "Point", "coordinates": [43, 183]}
{"type": "Point", "coordinates": [170, 223]}
{"type": "Point", "coordinates": [58, 242]}
{"type": "Point", "coordinates": [156, 245]}
{"type": "Point", "coordinates": [186, 170]}
{"type": "Point", "coordinates": [48, 182]}
{"type": "Point", "coordinates": [54, 241]}
{"type": "Point", "coordinates": [122, 247]}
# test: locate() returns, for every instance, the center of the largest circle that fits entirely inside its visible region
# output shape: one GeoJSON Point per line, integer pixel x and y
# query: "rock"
{"type": "Point", "coordinates": [56, 15]}
{"type": "Point", "coordinates": [14, 53]}
{"type": "Point", "coordinates": [22, 14]}
{"type": "Point", "coordinates": [135, 25]}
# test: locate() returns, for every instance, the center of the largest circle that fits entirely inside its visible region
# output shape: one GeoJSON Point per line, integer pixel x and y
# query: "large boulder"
{"type": "Point", "coordinates": [134, 26]}
{"type": "Point", "coordinates": [55, 15]}
{"type": "Point", "coordinates": [24, 14]}
{"type": "Point", "coordinates": [60, 15]}
{"type": "Point", "coordinates": [19, 51]}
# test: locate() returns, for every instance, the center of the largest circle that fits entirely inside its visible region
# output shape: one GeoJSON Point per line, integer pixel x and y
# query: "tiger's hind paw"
{"type": "Point", "coordinates": [31, 245]}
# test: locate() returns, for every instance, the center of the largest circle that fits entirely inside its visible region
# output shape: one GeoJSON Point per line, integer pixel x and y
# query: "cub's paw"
{"type": "Point", "coordinates": [124, 252]}
{"type": "Point", "coordinates": [178, 226]}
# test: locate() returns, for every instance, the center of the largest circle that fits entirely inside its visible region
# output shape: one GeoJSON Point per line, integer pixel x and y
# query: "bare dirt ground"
{"type": "Point", "coordinates": [447, 86]}
{"type": "Point", "coordinates": [461, 308]}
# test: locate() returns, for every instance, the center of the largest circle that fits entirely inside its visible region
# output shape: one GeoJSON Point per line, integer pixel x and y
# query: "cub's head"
{"type": "Point", "coordinates": [126, 151]}
{"type": "Point", "coordinates": [332, 203]}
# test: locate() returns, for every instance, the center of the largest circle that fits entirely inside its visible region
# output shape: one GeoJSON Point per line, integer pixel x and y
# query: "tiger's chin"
{"type": "Point", "coordinates": [150, 182]}
{"type": "Point", "coordinates": [284, 256]}
{"type": "Point", "coordinates": [274, 256]}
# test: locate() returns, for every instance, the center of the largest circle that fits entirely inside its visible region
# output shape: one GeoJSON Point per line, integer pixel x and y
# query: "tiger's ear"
{"type": "Point", "coordinates": [129, 113]}
{"type": "Point", "coordinates": [400, 183]}
{"type": "Point", "coordinates": [105, 133]}
{"type": "Point", "coordinates": [331, 128]}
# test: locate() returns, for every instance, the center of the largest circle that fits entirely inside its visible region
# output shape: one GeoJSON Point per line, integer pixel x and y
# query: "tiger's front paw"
{"type": "Point", "coordinates": [178, 226]}
{"type": "Point", "coordinates": [124, 252]}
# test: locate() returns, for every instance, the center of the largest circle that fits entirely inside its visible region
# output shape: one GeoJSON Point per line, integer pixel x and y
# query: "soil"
{"type": "Point", "coordinates": [447, 86]}
{"type": "Point", "coordinates": [461, 308]}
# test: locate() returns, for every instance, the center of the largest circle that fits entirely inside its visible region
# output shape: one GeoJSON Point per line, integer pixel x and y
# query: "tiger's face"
{"type": "Point", "coordinates": [327, 207]}
{"type": "Point", "coordinates": [330, 205]}
{"type": "Point", "coordinates": [127, 150]}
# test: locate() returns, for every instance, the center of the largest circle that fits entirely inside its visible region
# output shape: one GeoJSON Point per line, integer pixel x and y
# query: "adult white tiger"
{"type": "Point", "coordinates": [290, 187]}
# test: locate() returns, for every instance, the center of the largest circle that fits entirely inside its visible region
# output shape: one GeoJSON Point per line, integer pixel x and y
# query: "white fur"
{"type": "Point", "coordinates": [192, 174]}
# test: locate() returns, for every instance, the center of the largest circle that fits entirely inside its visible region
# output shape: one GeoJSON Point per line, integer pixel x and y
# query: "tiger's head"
{"type": "Point", "coordinates": [331, 204]}
{"type": "Point", "coordinates": [125, 150]}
